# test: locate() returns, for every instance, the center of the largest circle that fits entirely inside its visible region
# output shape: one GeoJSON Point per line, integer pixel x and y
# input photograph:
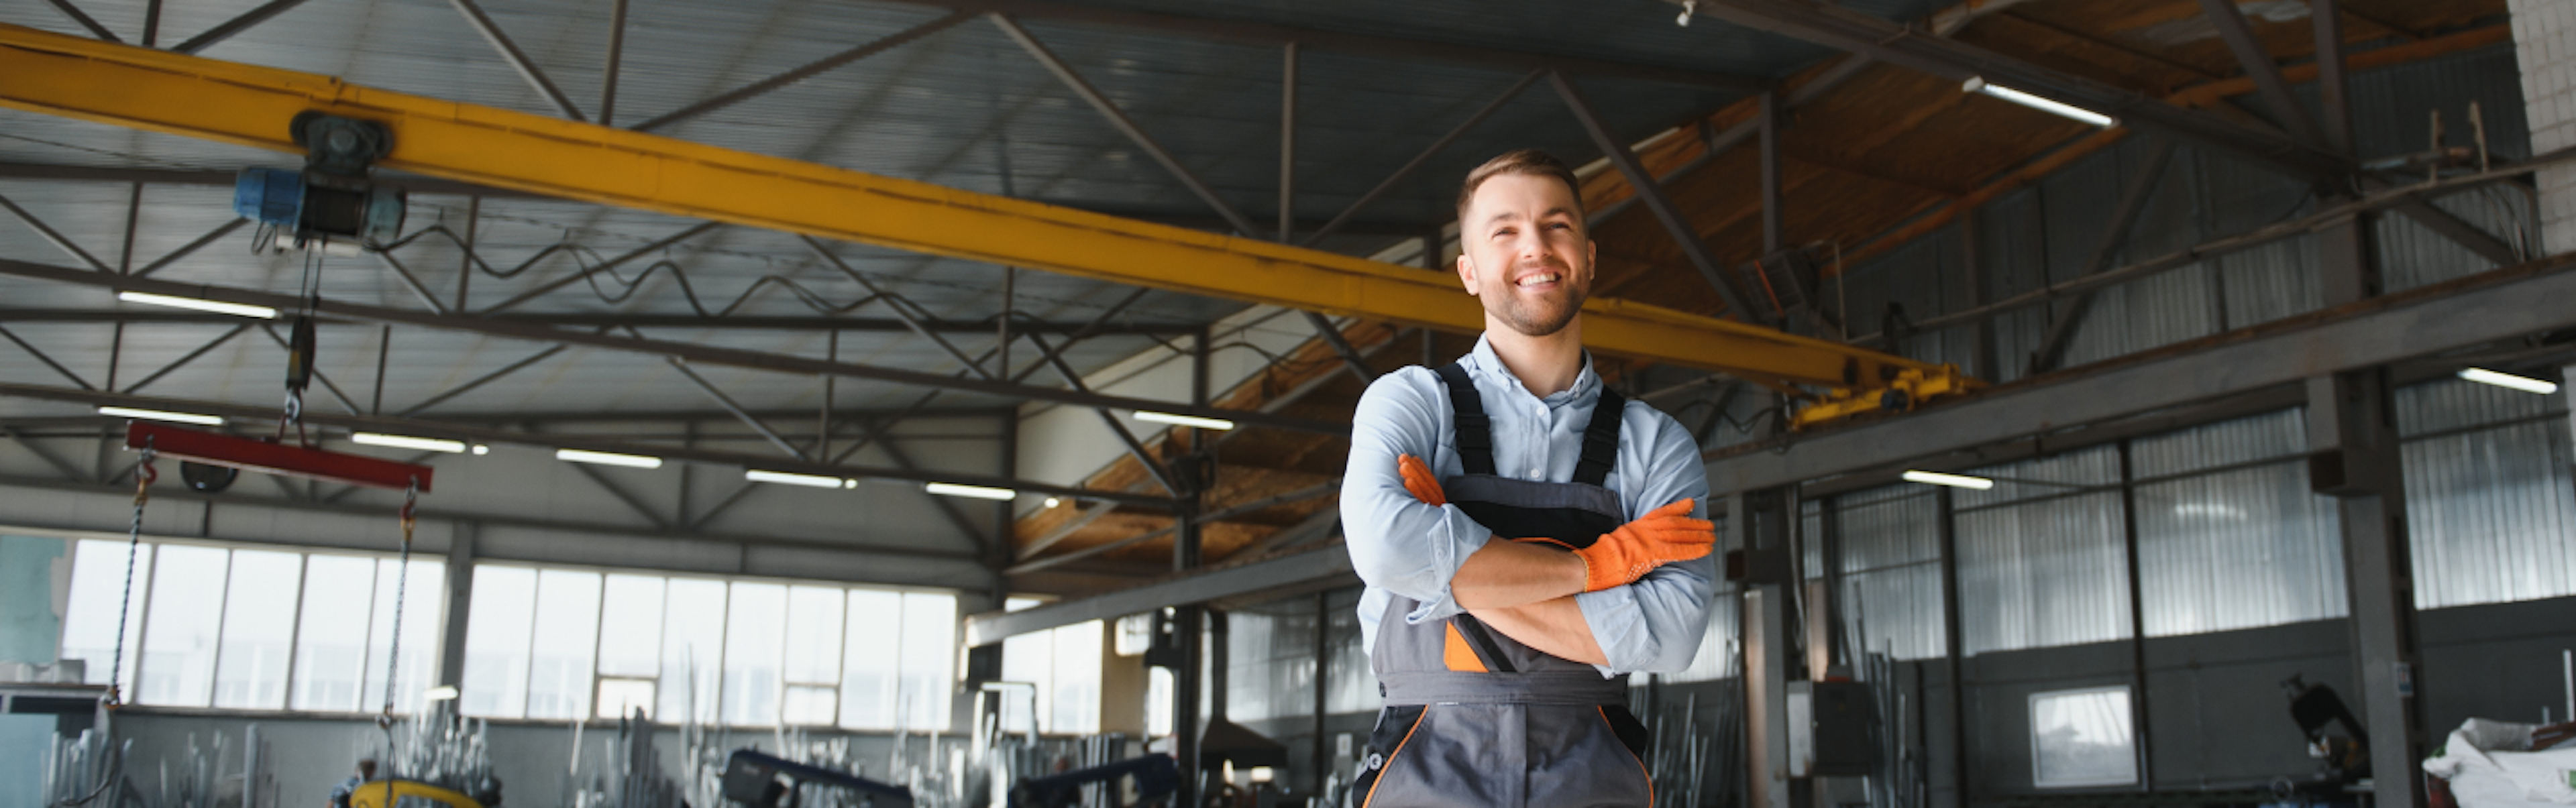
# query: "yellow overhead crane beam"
{"type": "Point", "coordinates": [248, 105]}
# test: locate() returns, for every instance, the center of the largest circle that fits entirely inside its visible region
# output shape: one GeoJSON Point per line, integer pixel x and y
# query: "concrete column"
{"type": "Point", "coordinates": [2353, 434]}
{"type": "Point", "coordinates": [2544, 36]}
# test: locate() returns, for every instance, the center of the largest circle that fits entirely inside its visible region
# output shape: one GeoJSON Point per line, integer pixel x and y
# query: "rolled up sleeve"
{"type": "Point", "coordinates": [1654, 625]}
{"type": "Point", "coordinates": [1398, 543]}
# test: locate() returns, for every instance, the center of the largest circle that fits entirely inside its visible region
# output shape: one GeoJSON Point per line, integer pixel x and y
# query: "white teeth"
{"type": "Point", "coordinates": [1538, 279]}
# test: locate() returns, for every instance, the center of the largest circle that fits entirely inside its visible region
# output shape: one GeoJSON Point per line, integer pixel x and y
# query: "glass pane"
{"type": "Point", "coordinates": [496, 642]}
{"type": "Point", "coordinates": [814, 636]}
{"type": "Point", "coordinates": [1029, 659]}
{"type": "Point", "coordinates": [259, 630]}
{"type": "Point", "coordinates": [331, 644]}
{"type": "Point", "coordinates": [421, 597]}
{"type": "Point", "coordinates": [755, 627]}
{"type": "Point", "coordinates": [1158, 701]}
{"type": "Point", "coordinates": [630, 626]}
{"type": "Point", "coordinates": [620, 698]}
{"type": "Point", "coordinates": [929, 659]}
{"type": "Point", "coordinates": [693, 622]}
{"type": "Point", "coordinates": [1075, 707]}
{"type": "Point", "coordinates": [871, 661]}
{"type": "Point", "coordinates": [90, 623]}
{"type": "Point", "coordinates": [807, 704]}
{"type": "Point", "coordinates": [179, 640]}
{"type": "Point", "coordinates": [2081, 738]}
{"type": "Point", "coordinates": [566, 639]}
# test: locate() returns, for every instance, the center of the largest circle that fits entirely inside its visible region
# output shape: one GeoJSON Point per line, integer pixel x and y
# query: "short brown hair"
{"type": "Point", "coordinates": [1527, 162]}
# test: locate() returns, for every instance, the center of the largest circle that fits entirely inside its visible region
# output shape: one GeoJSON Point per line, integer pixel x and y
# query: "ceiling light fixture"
{"type": "Point", "coordinates": [2522, 383]}
{"type": "Point", "coordinates": [216, 306]}
{"type": "Point", "coordinates": [1952, 480]}
{"type": "Point", "coordinates": [1979, 85]}
{"type": "Point", "coordinates": [972, 491]}
{"type": "Point", "coordinates": [608, 459]}
{"type": "Point", "coordinates": [440, 693]}
{"type": "Point", "coordinates": [1184, 420]}
{"type": "Point", "coordinates": [785, 478]}
{"type": "Point", "coordinates": [163, 415]}
{"type": "Point", "coordinates": [407, 442]}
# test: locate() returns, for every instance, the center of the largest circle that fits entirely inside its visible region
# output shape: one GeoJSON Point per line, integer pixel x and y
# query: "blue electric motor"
{"type": "Point", "coordinates": [319, 206]}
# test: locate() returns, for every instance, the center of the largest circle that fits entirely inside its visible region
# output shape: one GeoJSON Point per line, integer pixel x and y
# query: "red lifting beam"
{"type": "Point", "coordinates": [251, 454]}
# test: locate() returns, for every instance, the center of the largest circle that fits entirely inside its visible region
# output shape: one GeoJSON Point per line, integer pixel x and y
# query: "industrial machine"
{"type": "Point", "coordinates": [332, 205]}
{"type": "Point", "coordinates": [1155, 775]}
{"type": "Point", "coordinates": [762, 780]}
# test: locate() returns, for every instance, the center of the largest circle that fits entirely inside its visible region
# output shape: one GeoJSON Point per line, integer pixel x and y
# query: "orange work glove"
{"type": "Point", "coordinates": [1419, 481]}
{"type": "Point", "coordinates": [1660, 537]}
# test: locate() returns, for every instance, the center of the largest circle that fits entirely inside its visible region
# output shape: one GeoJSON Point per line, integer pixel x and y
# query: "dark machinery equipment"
{"type": "Point", "coordinates": [2318, 711]}
{"type": "Point", "coordinates": [1156, 779]}
{"type": "Point", "coordinates": [763, 780]}
{"type": "Point", "coordinates": [332, 204]}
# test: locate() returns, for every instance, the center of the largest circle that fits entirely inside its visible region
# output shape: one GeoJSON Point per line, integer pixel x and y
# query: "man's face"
{"type": "Point", "coordinates": [1523, 252]}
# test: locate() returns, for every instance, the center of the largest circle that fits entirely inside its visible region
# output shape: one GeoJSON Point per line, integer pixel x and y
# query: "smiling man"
{"type": "Point", "coordinates": [1529, 537]}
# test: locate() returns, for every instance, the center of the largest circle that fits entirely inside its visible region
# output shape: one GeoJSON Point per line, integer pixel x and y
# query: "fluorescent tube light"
{"type": "Point", "coordinates": [440, 693]}
{"type": "Point", "coordinates": [784, 478]}
{"type": "Point", "coordinates": [1952, 480]}
{"type": "Point", "coordinates": [218, 307]}
{"type": "Point", "coordinates": [160, 415]}
{"type": "Point", "coordinates": [1979, 85]}
{"type": "Point", "coordinates": [608, 459]}
{"type": "Point", "coordinates": [1053, 501]}
{"type": "Point", "coordinates": [975, 491]}
{"type": "Point", "coordinates": [1184, 420]}
{"type": "Point", "coordinates": [407, 442]}
{"type": "Point", "coordinates": [2522, 383]}
{"type": "Point", "coordinates": [482, 449]}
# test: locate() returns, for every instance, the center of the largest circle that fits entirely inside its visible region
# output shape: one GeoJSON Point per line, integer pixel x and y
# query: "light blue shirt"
{"type": "Point", "coordinates": [1401, 546]}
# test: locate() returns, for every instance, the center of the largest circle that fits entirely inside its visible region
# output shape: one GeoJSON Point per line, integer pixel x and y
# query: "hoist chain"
{"type": "Point", "coordinates": [144, 476]}
{"type": "Point", "coordinates": [402, 579]}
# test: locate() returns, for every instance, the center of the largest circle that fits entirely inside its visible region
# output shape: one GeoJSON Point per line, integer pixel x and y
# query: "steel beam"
{"type": "Point", "coordinates": [1642, 183]}
{"type": "Point", "coordinates": [244, 105]}
{"type": "Point", "coordinates": [1288, 144]}
{"type": "Point", "coordinates": [1107, 108]}
{"type": "Point", "coordinates": [633, 502]}
{"type": "Point", "coordinates": [191, 356]}
{"type": "Point", "coordinates": [237, 24]}
{"type": "Point", "coordinates": [85, 20]}
{"type": "Point", "coordinates": [794, 75]}
{"type": "Point", "coordinates": [41, 356]}
{"type": "Point", "coordinates": [479, 381]}
{"type": "Point", "coordinates": [55, 237]}
{"type": "Point", "coordinates": [1891, 42]}
{"type": "Point", "coordinates": [191, 248]}
{"type": "Point", "coordinates": [486, 435]}
{"type": "Point", "coordinates": [2485, 308]}
{"type": "Point", "coordinates": [2124, 219]}
{"type": "Point", "coordinates": [1318, 568]}
{"type": "Point", "coordinates": [1202, 28]}
{"type": "Point", "coordinates": [519, 61]}
{"type": "Point", "coordinates": [1415, 164]}
{"type": "Point", "coordinates": [616, 56]}
{"type": "Point", "coordinates": [2258, 64]}
{"type": "Point", "coordinates": [2334, 92]}
{"type": "Point", "coordinates": [621, 321]}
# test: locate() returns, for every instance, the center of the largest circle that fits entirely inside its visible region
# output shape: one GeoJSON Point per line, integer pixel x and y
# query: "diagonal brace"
{"type": "Point", "coordinates": [2124, 219]}
{"type": "Point", "coordinates": [1118, 118]}
{"type": "Point", "coordinates": [519, 60]}
{"type": "Point", "coordinates": [1670, 215]}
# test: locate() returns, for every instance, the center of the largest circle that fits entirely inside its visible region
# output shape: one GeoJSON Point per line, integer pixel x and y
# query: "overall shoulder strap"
{"type": "Point", "coordinates": [1467, 413]}
{"type": "Point", "coordinates": [1601, 438]}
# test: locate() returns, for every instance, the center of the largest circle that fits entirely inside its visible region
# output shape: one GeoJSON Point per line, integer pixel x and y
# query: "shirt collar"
{"type": "Point", "coordinates": [1483, 360]}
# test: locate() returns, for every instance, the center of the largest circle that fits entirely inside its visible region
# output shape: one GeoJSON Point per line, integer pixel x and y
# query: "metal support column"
{"type": "Point", "coordinates": [460, 599]}
{"type": "Point", "coordinates": [1774, 230]}
{"type": "Point", "coordinates": [1953, 648]}
{"type": "Point", "coordinates": [2138, 694]}
{"type": "Point", "coordinates": [1762, 517]}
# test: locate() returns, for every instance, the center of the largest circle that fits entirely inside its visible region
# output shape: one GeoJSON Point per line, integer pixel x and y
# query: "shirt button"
{"type": "Point", "coordinates": [1533, 474]}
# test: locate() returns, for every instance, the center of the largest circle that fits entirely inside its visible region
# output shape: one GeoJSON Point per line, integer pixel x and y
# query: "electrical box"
{"type": "Point", "coordinates": [1832, 730]}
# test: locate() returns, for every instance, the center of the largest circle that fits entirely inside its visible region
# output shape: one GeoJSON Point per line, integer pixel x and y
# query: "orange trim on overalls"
{"type": "Point", "coordinates": [1457, 655]}
{"type": "Point", "coordinates": [1387, 766]}
{"type": "Point", "coordinates": [1641, 762]}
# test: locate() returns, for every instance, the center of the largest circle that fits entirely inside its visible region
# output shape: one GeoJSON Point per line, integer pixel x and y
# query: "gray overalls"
{"type": "Point", "coordinates": [1475, 718]}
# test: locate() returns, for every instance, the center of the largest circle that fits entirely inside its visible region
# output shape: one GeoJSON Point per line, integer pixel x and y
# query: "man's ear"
{"type": "Point", "coordinates": [1466, 271]}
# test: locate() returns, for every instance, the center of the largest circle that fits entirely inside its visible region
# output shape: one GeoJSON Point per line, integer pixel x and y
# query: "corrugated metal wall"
{"type": "Point", "coordinates": [2491, 506]}
{"type": "Point", "coordinates": [2243, 546]}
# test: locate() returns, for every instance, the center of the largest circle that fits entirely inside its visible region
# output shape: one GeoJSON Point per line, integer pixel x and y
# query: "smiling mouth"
{"type": "Point", "coordinates": [1540, 279]}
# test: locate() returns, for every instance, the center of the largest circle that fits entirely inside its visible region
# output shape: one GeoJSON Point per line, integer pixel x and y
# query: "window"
{"type": "Point", "coordinates": [1064, 666]}
{"type": "Point", "coordinates": [559, 644]}
{"type": "Point", "coordinates": [252, 629]}
{"type": "Point", "coordinates": [2082, 738]}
